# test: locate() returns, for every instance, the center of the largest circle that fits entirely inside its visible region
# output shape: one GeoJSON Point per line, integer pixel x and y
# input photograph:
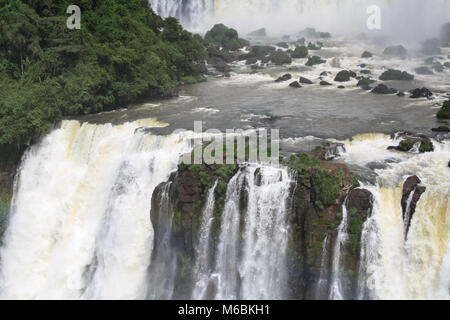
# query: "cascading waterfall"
{"type": "Point", "coordinates": [203, 250]}
{"type": "Point", "coordinates": [390, 266]}
{"type": "Point", "coordinates": [336, 292]}
{"type": "Point", "coordinates": [322, 283]}
{"type": "Point", "coordinates": [80, 224]}
{"type": "Point", "coordinates": [251, 254]}
{"type": "Point", "coordinates": [290, 16]}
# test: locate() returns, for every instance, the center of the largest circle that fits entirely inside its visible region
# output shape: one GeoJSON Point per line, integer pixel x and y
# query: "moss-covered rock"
{"type": "Point", "coordinates": [228, 38]}
{"type": "Point", "coordinates": [315, 60]}
{"type": "Point", "coordinates": [392, 74]}
{"type": "Point", "coordinates": [444, 112]}
{"type": "Point", "coordinates": [280, 57]}
{"type": "Point", "coordinates": [300, 52]}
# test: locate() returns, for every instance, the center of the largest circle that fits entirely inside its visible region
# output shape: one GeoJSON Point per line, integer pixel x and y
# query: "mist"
{"type": "Point", "coordinates": [400, 19]}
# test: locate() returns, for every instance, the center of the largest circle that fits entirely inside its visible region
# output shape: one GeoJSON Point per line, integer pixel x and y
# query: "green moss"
{"type": "Point", "coordinates": [444, 112]}
{"type": "Point", "coordinates": [300, 52]}
{"type": "Point", "coordinates": [426, 145]}
{"type": "Point", "coordinates": [314, 60]}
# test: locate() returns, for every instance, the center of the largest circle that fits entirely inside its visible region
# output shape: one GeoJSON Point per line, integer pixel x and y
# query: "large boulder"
{"type": "Point", "coordinates": [228, 38]}
{"type": "Point", "coordinates": [383, 89]}
{"type": "Point", "coordinates": [314, 60]}
{"type": "Point", "coordinates": [366, 54]}
{"type": "Point", "coordinates": [361, 200]}
{"type": "Point", "coordinates": [284, 77]}
{"type": "Point", "coordinates": [305, 80]}
{"type": "Point", "coordinates": [300, 52]}
{"type": "Point", "coordinates": [365, 81]}
{"type": "Point", "coordinates": [412, 191]}
{"type": "Point", "coordinates": [324, 83]}
{"type": "Point", "coordinates": [413, 143]}
{"type": "Point", "coordinates": [444, 112]}
{"type": "Point", "coordinates": [280, 57]}
{"type": "Point", "coordinates": [396, 51]}
{"type": "Point", "coordinates": [295, 85]}
{"type": "Point", "coordinates": [421, 93]}
{"type": "Point", "coordinates": [344, 76]}
{"type": "Point", "coordinates": [392, 74]}
{"type": "Point", "coordinates": [259, 52]}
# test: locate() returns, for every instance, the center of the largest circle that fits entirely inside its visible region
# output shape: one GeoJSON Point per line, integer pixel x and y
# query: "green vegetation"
{"type": "Point", "coordinates": [325, 185]}
{"type": "Point", "coordinates": [314, 60]}
{"type": "Point", "coordinates": [300, 52]}
{"type": "Point", "coordinates": [444, 112]}
{"type": "Point", "coordinates": [226, 37]}
{"type": "Point", "coordinates": [122, 52]}
{"type": "Point", "coordinates": [280, 57]}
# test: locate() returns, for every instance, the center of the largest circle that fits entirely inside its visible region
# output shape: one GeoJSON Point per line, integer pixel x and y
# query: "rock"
{"type": "Point", "coordinates": [366, 54]}
{"type": "Point", "coordinates": [283, 45]}
{"type": "Point", "coordinates": [366, 87]}
{"type": "Point", "coordinates": [360, 199]}
{"type": "Point", "coordinates": [314, 60]}
{"type": "Point", "coordinates": [312, 46]}
{"type": "Point", "coordinates": [365, 71]}
{"type": "Point", "coordinates": [295, 84]}
{"type": "Point", "coordinates": [413, 143]}
{"type": "Point", "coordinates": [324, 83]}
{"type": "Point", "coordinates": [444, 112]}
{"type": "Point", "coordinates": [401, 94]}
{"type": "Point", "coordinates": [423, 71]}
{"type": "Point", "coordinates": [301, 41]}
{"type": "Point", "coordinates": [341, 87]}
{"type": "Point", "coordinates": [280, 57]}
{"type": "Point", "coordinates": [325, 73]}
{"type": "Point", "coordinates": [305, 80]}
{"type": "Point", "coordinates": [383, 89]}
{"type": "Point", "coordinates": [342, 76]}
{"type": "Point", "coordinates": [258, 33]}
{"type": "Point", "coordinates": [410, 196]}
{"type": "Point", "coordinates": [429, 60]}
{"type": "Point", "coordinates": [300, 52]}
{"type": "Point", "coordinates": [228, 38]}
{"type": "Point", "coordinates": [259, 52]}
{"type": "Point", "coordinates": [286, 38]}
{"type": "Point", "coordinates": [447, 64]}
{"type": "Point", "coordinates": [397, 51]}
{"type": "Point", "coordinates": [441, 129]}
{"type": "Point", "coordinates": [284, 77]}
{"type": "Point", "coordinates": [396, 75]}
{"type": "Point", "coordinates": [421, 93]}
{"type": "Point", "coordinates": [431, 46]}
{"type": "Point", "coordinates": [362, 65]}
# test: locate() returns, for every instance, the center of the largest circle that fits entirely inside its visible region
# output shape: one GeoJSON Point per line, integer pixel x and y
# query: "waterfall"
{"type": "Point", "coordinates": [322, 283]}
{"type": "Point", "coordinates": [336, 290]}
{"type": "Point", "coordinates": [416, 268]}
{"type": "Point", "coordinates": [203, 250]}
{"type": "Point", "coordinates": [164, 262]}
{"type": "Point", "coordinates": [290, 16]}
{"type": "Point", "coordinates": [251, 254]}
{"type": "Point", "coordinates": [79, 225]}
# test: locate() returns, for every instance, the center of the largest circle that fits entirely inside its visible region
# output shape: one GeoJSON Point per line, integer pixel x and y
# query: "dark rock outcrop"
{"type": "Point", "coordinates": [300, 52]}
{"type": "Point", "coordinates": [441, 129]}
{"type": "Point", "coordinates": [413, 143]}
{"type": "Point", "coordinates": [412, 191]}
{"type": "Point", "coordinates": [421, 93]}
{"type": "Point", "coordinates": [343, 76]}
{"type": "Point", "coordinates": [324, 83]}
{"type": "Point", "coordinates": [295, 85]}
{"type": "Point", "coordinates": [280, 57]}
{"type": "Point", "coordinates": [396, 75]}
{"type": "Point", "coordinates": [366, 54]}
{"type": "Point", "coordinates": [305, 81]}
{"type": "Point", "coordinates": [284, 77]}
{"type": "Point", "coordinates": [383, 89]}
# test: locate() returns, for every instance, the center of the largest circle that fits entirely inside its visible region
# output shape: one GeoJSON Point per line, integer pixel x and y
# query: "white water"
{"type": "Point", "coordinates": [401, 18]}
{"type": "Point", "coordinates": [390, 267]}
{"type": "Point", "coordinates": [336, 291]}
{"type": "Point", "coordinates": [250, 262]}
{"type": "Point", "coordinates": [80, 223]}
{"type": "Point", "coordinates": [202, 272]}
{"type": "Point", "coordinates": [322, 283]}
